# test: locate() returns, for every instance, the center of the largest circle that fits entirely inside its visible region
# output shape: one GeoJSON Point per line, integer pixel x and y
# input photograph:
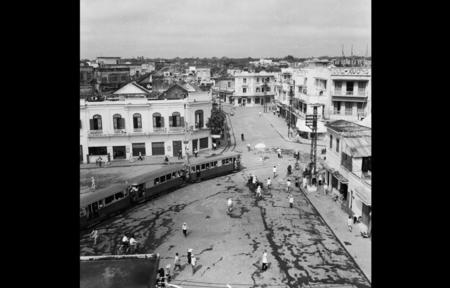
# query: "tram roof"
{"type": "Point", "coordinates": [196, 161]}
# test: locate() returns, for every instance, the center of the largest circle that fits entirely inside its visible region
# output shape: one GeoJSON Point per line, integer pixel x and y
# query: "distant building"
{"type": "Point", "coordinates": [130, 122]}
{"type": "Point", "coordinates": [253, 89]}
{"type": "Point", "coordinates": [86, 75]}
{"type": "Point", "coordinates": [112, 77]}
{"type": "Point", "coordinates": [223, 88]}
{"type": "Point", "coordinates": [348, 166]}
{"type": "Point", "coordinates": [108, 60]}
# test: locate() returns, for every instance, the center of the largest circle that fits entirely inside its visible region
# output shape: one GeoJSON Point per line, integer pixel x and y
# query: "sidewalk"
{"type": "Point", "coordinates": [359, 248]}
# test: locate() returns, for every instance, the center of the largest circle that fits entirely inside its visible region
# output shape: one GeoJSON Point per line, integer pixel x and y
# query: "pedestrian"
{"type": "Point", "coordinates": [264, 261]}
{"type": "Point", "coordinates": [305, 182]}
{"type": "Point", "coordinates": [289, 170]}
{"type": "Point", "coordinates": [133, 244]}
{"type": "Point", "coordinates": [214, 145]}
{"type": "Point", "coordinates": [242, 136]}
{"type": "Point", "coordinates": [288, 183]}
{"type": "Point", "coordinates": [189, 256]}
{"type": "Point", "coordinates": [184, 227]}
{"type": "Point", "coordinates": [94, 235]}
{"type": "Point", "coordinates": [248, 146]}
{"type": "Point", "coordinates": [140, 156]}
{"type": "Point", "coordinates": [168, 277]}
{"type": "Point", "coordinates": [269, 183]}
{"type": "Point", "coordinates": [166, 159]}
{"type": "Point", "coordinates": [254, 180]}
{"type": "Point", "coordinates": [279, 152]}
{"type": "Point", "coordinates": [180, 155]}
{"type": "Point", "coordinates": [100, 160]}
{"type": "Point", "coordinates": [258, 192]}
{"type": "Point", "coordinates": [320, 179]}
{"type": "Point", "coordinates": [274, 171]}
{"type": "Point", "coordinates": [291, 200]}
{"type": "Point", "coordinates": [193, 262]}
{"type": "Point", "coordinates": [259, 113]}
{"type": "Point", "coordinates": [195, 152]}
{"type": "Point", "coordinates": [176, 262]}
{"type": "Point", "coordinates": [125, 243]}
{"type": "Point", "coordinates": [350, 223]}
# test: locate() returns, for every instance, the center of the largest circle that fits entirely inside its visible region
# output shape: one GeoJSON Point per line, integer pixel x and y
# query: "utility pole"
{"type": "Point", "coordinates": [311, 122]}
{"type": "Point", "coordinates": [291, 95]}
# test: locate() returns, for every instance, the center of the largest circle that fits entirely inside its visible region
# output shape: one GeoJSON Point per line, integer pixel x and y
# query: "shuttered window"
{"type": "Point", "coordinates": [158, 148]}
{"type": "Point", "coordinates": [118, 121]}
{"type": "Point", "coordinates": [96, 123]}
{"type": "Point", "coordinates": [203, 143]}
{"type": "Point", "coordinates": [158, 120]}
{"type": "Point", "coordinates": [97, 150]}
{"type": "Point", "coordinates": [138, 147]}
{"type": "Point", "coordinates": [137, 121]}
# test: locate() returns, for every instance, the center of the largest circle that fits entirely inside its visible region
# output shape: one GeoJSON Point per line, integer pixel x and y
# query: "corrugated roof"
{"type": "Point", "coordinates": [358, 146]}
{"type": "Point", "coordinates": [364, 194]}
{"type": "Point", "coordinates": [346, 126]}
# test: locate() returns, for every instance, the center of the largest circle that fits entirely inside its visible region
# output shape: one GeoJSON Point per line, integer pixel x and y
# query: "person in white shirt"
{"type": "Point", "coordinates": [269, 183]}
{"type": "Point", "coordinates": [288, 185]}
{"type": "Point", "coordinates": [133, 244]}
{"type": "Point", "coordinates": [248, 146]}
{"type": "Point", "coordinates": [259, 113]}
{"type": "Point", "coordinates": [94, 235]}
{"type": "Point", "coordinates": [291, 200]}
{"type": "Point", "coordinates": [305, 182]}
{"type": "Point", "coordinates": [254, 180]}
{"type": "Point", "coordinates": [184, 227]}
{"type": "Point", "coordinates": [264, 261]}
{"type": "Point", "coordinates": [258, 191]}
{"type": "Point", "coordinates": [350, 223]}
{"type": "Point", "coordinates": [274, 171]}
{"type": "Point", "coordinates": [193, 262]}
{"type": "Point", "coordinates": [176, 262]}
{"type": "Point", "coordinates": [279, 152]}
{"type": "Point", "coordinates": [230, 204]}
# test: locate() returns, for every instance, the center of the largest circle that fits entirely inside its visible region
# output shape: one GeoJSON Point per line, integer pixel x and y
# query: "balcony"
{"type": "Point", "coordinates": [359, 93]}
{"type": "Point", "coordinates": [119, 131]}
{"type": "Point", "coordinates": [176, 129]}
{"type": "Point", "coordinates": [95, 133]}
{"type": "Point", "coordinates": [159, 130]}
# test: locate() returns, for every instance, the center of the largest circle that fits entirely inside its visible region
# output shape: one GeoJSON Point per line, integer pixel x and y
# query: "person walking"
{"type": "Point", "coordinates": [176, 262]}
{"type": "Point", "coordinates": [230, 205]}
{"type": "Point", "coordinates": [288, 183]}
{"type": "Point", "coordinates": [168, 277]}
{"type": "Point", "coordinates": [166, 160]}
{"type": "Point", "coordinates": [189, 256]}
{"type": "Point", "coordinates": [305, 182]}
{"type": "Point", "coordinates": [274, 170]}
{"type": "Point", "coordinates": [269, 184]}
{"type": "Point", "coordinates": [94, 235]}
{"type": "Point", "coordinates": [140, 156]}
{"type": "Point", "coordinates": [258, 192]}
{"type": "Point", "coordinates": [195, 152]}
{"type": "Point", "coordinates": [214, 145]}
{"type": "Point", "coordinates": [291, 201]}
{"type": "Point", "coordinates": [350, 223]}
{"type": "Point", "coordinates": [264, 261]}
{"type": "Point", "coordinates": [279, 152]}
{"type": "Point", "coordinates": [184, 227]}
{"type": "Point", "coordinates": [242, 136]}
{"type": "Point", "coordinates": [248, 147]}
{"type": "Point", "coordinates": [180, 155]}
{"type": "Point", "coordinates": [259, 113]}
{"type": "Point", "coordinates": [193, 262]}
{"type": "Point", "coordinates": [125, 243]}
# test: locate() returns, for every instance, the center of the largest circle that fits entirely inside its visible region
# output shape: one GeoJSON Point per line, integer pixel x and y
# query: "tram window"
{"type": "Point", "coordinates": [109, 199]}
{"type": "Point", "coordinates": [197, 167]}
{"type": "Point", "coordinates": [100, 204]}
{"type": "Point", "coordinates": [203, 166]}
{"type": "Point", "coordinates": [119, 195]}
{"type": "Point", "coordinates": [169, 176]}
{"type": "Point", "coordinates": [162, 179]}
{"type": "Point", "coordinates": [174, 175]}
{"type": "Point", "coordinates": [207, 165]}
{"type": "Point", "coordinates": [223, 161]}
{"type": "Point", "coordinates": [156, 181]}
{"type": "Point", "coordinates": [193, 169]}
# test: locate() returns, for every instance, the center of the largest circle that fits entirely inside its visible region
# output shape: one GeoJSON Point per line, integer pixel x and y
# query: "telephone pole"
{"type": "Point", "coordinates": [311, 122]}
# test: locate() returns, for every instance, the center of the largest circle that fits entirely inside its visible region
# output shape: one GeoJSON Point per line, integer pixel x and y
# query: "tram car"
{"type": "Point", "coordinates": [104, 203]}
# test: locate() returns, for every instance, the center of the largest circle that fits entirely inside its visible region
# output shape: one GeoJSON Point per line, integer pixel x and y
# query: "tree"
{"type": "Point", "coordinates": [217, 121]}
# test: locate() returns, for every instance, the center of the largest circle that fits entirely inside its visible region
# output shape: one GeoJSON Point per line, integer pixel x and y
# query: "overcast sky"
{"type": "Point", "coordinates": [231, 28]}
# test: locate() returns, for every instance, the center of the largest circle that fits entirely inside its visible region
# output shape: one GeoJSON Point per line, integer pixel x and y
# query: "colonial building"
{"type": "Point", "coordinates": [224, 88]}
{"type": "Point", "coordinates": [253, 88]}
{"type": "Point", "coordinates": [132, 123]}
{"type": "Point", "coordinates": [350, 93]}
{"type": "Point", "coordinates": [348, 166]}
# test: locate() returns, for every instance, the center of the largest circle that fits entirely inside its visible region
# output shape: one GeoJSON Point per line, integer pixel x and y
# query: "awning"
{"type": "Point", "coordinates": [301, 125]}
{"type": "Point", "coordinates": [215, 136]}
{"type": "Point", "coordinates": [358, 146]}
{"type": "Point", "coordinates": [339, 177]}
{"type": "Point", "coordinates": [364, 194]}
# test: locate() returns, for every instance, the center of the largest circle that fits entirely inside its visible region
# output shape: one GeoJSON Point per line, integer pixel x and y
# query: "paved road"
{"type": "Point", "coordinates": [301, 248]}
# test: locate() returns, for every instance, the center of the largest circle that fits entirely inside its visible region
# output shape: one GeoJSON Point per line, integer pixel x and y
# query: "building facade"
{"type": "Point", "coordinates": [348, 166]}
{"type": "Point", "coordinates": [132, 124]}
{"type": "Point", "coordinates": [253, 88]}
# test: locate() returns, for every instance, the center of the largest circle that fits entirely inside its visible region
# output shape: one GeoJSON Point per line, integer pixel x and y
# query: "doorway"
{"type": "Point", "coordinates": [195, 144]}
{"type": "Point", "coordinates": [119, 152]}
{"type": "Point", "coordinates": [176, 145]}
{"type": "Point", "coordinates": [81, 153]}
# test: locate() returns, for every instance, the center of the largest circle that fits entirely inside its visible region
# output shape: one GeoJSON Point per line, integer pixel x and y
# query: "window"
{"type": "Point", "coordinates": [138, 147]}
{"type": "Point", "coordinates": [331, 141]}
{"type": "Point", "coordinates": [244, 90]}
{"type": "Point", "coordinates": [175, 120]}
{"type": "Point", "coordinates": [348, 108]}
{"type": "Point", "coordinates": [337, 144]}
{"type": "Point", "coordinates": [193, 169]}
{"type": "Point", "coordinates": [337, 107]}
{"type": "Point", "coordinates": [229, 84]}
{"type": "Point", "coordinates": [197, 167]}
{"type": "Point", "coordinates": [349, 90]}
{"type": "Point", "coordinates": [162, 179]}
{"type": "Point", "coordinates": [168, 177]}
{"type": "Point", "coordinates": [337, 87]}
{"type": "Point", "coordinates": [97, 150]}
{"type": "Point", "coordinates": [366, 164]}
{"type": "Point", "coordinates": [258, 89]}
{"type": "Point", "coordinates": [360, 108]}
{"type": "Point", "coordinates": [245, 80]}
{"type": "Point", "coordinates": [158, 148]}
{"type": "Point", "coordinates": [199, 119]}
{"type": "Point", "coordinates": [118, 121]}
{"type": "Point", "coordinates": [109, 199]}
{"type": "Point", "coordinates": [96, 122]}
{"type": "Point", "coordinates": [203, 143]}
{"type": "Point", "coordinates": [267, 80]}
{"type": "Point", "coordinates": [267, 89]}
{"type": "Point", "coordinates": [119, 195]}
{"type": "Point", "coordinates": [203, 166]}
{"type": "Point", "coordinates": [257, 100]}
{"type": "Point", "coordinates": [137, 121]}
{"type": "Point", "coordinates": [156, 181]}
{"type": "Point", "coordinates": [123, 78]}
{"type": "Point", "coordinates": [158, 121]}
{"type": "Point", "coordinates": [362, 87]}
{"type": "Point", "coordinates": [346, 161]}
{"type": "Point", "coordinates": [207, 165]}
{"type": "Point", "coordinates": [257, 79]}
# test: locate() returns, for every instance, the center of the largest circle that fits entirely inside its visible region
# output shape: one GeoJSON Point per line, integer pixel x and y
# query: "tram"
{"type": "Point", "coordinates": [104, 203]}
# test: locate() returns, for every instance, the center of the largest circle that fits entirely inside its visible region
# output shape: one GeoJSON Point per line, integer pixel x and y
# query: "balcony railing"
{"type": "Point", "coordinates": [159, 130]}
{"type": "Point", "coordinates": [351, 93]}
{"type": "Point", "coordinates": [95, 132]}
{"type": "Point", "coordinates": [137, 130]}
{"type": "Point", "coordinates": [120, 131]}
{"type": "Point", "coordinates": [176, 129]}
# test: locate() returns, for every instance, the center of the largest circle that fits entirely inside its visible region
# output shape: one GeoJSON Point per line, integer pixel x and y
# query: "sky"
{"type": "Point", "coordinates": [230, 28]}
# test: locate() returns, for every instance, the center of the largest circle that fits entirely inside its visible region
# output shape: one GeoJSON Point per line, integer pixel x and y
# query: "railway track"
{"type": "Point", "coordinates": [230, 131]}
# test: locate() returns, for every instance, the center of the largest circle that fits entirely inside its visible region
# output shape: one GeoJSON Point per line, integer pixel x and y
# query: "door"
{"type": "Point", "coordinates": [81, 153]}
{"type": "Point", "coordinates": [176, 145]}
{"type": "Point", "coordinates": [194, 144]}
{"type": "Point", "coordinates": [119, 152]}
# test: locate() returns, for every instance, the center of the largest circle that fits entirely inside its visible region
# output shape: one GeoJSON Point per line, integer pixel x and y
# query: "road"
{"type": "Point", "coordinates": [302, 250]}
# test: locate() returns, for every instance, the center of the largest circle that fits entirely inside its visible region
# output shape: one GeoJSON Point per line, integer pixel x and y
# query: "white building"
{"type": "Point", "coordinates": [132, 124]}
{"type": "Point", "coordinates": [253, 88]}
{"type": "Point", "coordinates": [348, 165]}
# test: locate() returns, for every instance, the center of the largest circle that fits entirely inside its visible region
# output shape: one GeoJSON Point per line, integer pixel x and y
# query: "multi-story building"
{"type": "Point", "coordinates": [108, 60]}
{"type": "Point", "coordinates": [348, 165]}
{"type": "Point", "coordinates": [350, 91]}
{"type": "Point", "coordinates": [253, 88]}
{"type": "Point", "coordinates": [224, 88]}
{"type": "Point", "coordinates": [112, 77]}
{"type": "Point", "coordinates": [131, 122]}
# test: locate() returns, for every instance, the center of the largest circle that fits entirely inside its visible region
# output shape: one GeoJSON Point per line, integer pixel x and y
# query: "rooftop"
{"type": "Point", "coordinates": [347, 126]}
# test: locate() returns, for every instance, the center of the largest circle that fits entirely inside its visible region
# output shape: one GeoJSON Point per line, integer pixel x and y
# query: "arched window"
{"type": "Point", "coordinates": [158, 120]}
{"type": "Point", "coordinates": [199, 119]}
{"type": "Point", "coordinates": [176, 120]}
{"type": "Point", "coordinates": [96, 122]}
{"type": "Point", "coordinates": [118, 121]}
{"type": "Point", "coordinates": [137, 121]}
